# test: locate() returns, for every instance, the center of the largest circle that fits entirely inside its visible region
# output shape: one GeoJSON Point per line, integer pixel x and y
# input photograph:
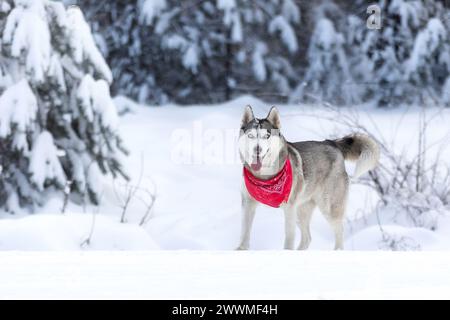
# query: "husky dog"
{"type": "Point", "coordinates": [318, 174]}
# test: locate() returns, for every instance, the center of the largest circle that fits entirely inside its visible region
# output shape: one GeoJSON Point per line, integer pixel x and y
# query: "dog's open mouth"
{"type": "Point", "coordinates": [256, 166]}
{"type": "Point", "coordinates": [256, 163]}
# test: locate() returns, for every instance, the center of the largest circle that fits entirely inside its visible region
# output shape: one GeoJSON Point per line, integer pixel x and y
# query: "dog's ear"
{"type": "Point", "coordinates": [248, 115]}
{"type": "Point", "coordinates": [274, 118]}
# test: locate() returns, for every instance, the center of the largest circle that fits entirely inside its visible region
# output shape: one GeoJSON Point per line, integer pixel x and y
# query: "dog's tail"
{"type": "Point", "coordinates": [362, 149]}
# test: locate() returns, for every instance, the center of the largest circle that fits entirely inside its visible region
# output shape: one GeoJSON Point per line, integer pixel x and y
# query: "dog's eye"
{"type": "Point", "coordinates": [266, 136]}
{"type": "Point", "coordinates": [251, 135]}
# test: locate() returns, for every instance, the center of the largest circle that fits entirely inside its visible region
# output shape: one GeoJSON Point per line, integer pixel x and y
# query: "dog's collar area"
{"type": "Point", "coordinates": [272, 192]}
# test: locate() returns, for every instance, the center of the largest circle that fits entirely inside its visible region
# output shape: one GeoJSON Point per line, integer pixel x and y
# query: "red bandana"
{"type": "Point", "coordinates": [272, 192]}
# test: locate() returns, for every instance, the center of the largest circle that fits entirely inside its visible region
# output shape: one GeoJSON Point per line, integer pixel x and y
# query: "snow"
{"type": "Point", "coordinates": [237, 34]}
{"type": "Point", "coordinates": [4, 6]}
{"type": "Point", "coordinates": [328, 75]}
{"type": "Point", "coordinates": [408, 12]}
{"type": "Point", "coordinates": [150, 9]}
{"type": "Point", "coordinates": [229, 7]}
{"type": "Point", "coordinates": [426, 43]}
{"type": "Point", "coordinates": [82, 43]}
{"type": "Point", "coordinates": [69, 232]}
{"type": "Point", "coordinates": [190, 154]}
{"type": "Point", "coordinates": [259, 67]}
{"type": "Point", "coordinates": [187, 157]}
{"type": "Point", "coordinates": [290, 11]}
{"type": "Point", "coordinates": [326, 36]}
{"type": "Point", "coordinates": [191, 59]}
{"type": "Point", "coordinates": [96, 101]}
{"type": "Point", "coordinates": [224, 275]}
{"type": "Point", "coordinates": [231, 18]}
{"type": "Point", "coordinates": [190, 56]}
{"type": "Point", "coordinates": [18, 106]}
{"type": "Point", "coordinates": [27, 29]}
{"type": "Point", "coordinates": [164, 21]}
{"type": "Point", "coordinates": [282, 83]}
{"type": "Point", "coordinates": [44, 162]}
{"type": "Point", "coordinates": [175, 41]}
{"type": "Point", "coordinates": [288, 37]}
{"type": "Point", "coordinates": [46, 51]}
{"type": "Point", "coordinates": [56, 71]}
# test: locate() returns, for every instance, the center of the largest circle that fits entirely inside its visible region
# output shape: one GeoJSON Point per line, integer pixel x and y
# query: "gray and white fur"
{"type": "Point", "coordinates": [319, 175]}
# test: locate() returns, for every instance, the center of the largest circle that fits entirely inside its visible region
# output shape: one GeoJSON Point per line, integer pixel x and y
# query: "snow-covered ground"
{"type": "Point", "coordinates": [72, 232]}
{"type": "Point", "coordinates": [190, 154]}
{"type": "Point", "coordinates": [187, 156]}
{"type": "Point", "coordinates": [225, 275]}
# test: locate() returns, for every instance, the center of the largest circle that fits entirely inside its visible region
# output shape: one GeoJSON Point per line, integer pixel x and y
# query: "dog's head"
{"type": "Point", "coordinates": [260, 140]}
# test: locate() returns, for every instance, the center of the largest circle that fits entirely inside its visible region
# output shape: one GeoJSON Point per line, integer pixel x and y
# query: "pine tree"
{"type": "Point", "coordinates": [406, 61]}
{"type": "Point", "coordinates": [154, 47]}
{"type": "Point", "coordinates": [266, 60]}
{"type": "Point", "coordinates": [58, 123]}
{"type": "Point", "coordinates": [191, 51]}
{"type": "Point", "coordinates": [408, 56]}
{"type": "Point", "coordinates": [328, 76]}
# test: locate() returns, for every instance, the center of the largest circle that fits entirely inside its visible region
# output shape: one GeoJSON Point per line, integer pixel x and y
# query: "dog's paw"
{"type": "Point", "coordinates": [303, 246]}
{"type": "Point", "coordinates": [241, 248]}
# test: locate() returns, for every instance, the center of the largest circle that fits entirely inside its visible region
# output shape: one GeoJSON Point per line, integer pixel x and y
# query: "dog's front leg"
{"type": "Point", "coordinates": [248, 213]}
{"type": "Point", "coordinates": [289, 226]}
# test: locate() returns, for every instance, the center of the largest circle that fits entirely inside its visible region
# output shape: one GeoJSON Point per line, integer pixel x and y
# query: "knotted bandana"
{"type": "Point", "coordinates": [272, 192]}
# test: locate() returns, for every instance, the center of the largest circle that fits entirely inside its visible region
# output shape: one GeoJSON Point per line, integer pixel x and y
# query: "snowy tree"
{"type": "Point", "coordinates": [358, 41]}
{"type": "Point", "coordinates": [191, 51]}
{"type": "Point", "coordinates": [428, 45]}
{"type": "Point", "coordinates": [408, 57]}
{"type": "Point", "coordinates": [405, 61]}
{"type": "Point", "coordinates": [58, 123]}
{"type": "Point", "coordinates": [267, 57]}
{"type": "Point", "coordinates": [328, 76]}
{"type": "Point", "coordinates": [159, 50]}
{"type": "Point", "coordinates": [210, 51]}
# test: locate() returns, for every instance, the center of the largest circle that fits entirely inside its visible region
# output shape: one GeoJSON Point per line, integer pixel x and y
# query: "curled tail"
{"type": "Point", "coordinates": [362, 149]}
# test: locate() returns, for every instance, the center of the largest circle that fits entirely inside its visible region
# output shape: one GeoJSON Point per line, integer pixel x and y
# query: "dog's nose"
{"type": "Point", "coordinates": [258, 149]}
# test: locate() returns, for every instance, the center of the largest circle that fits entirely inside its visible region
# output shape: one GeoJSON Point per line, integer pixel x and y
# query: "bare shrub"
{"type": "Point", "coordinates": [127, 193]}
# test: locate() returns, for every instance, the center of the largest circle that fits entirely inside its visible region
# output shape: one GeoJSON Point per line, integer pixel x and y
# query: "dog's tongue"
{"type": "Point", "coordinates": [256, 165]}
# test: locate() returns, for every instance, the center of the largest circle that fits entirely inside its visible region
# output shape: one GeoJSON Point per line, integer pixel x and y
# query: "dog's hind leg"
{"type": "Point", "coordinates": [336, 216]}
{"type": "Point", "coordinates": [332, 203]}
{"type": "Point", "coordinates": [334, 213]}
{"type": "Point", "coordinates": [304, 215]}
{"type": "Point", "coordinates": [338, 228]}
